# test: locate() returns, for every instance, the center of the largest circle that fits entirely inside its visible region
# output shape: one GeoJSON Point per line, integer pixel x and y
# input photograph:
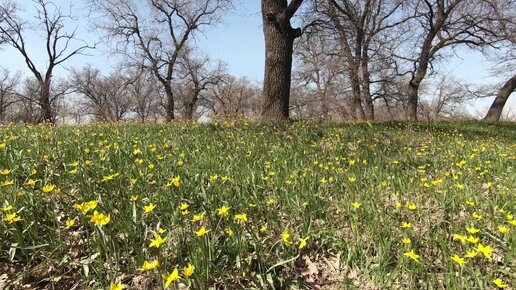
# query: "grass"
{"type": "Point", "coordinates": [310, 205]}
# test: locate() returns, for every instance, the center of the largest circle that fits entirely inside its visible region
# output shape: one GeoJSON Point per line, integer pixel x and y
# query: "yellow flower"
{"type": "Point", "coordinates": [134, 198]}
{"type": "Point", "coordinates": [471, 254]}
{"type": "Point", "coordinates": [241, 217]}
{"type": "Point", "coordinates": [412, 255]}
{"type": "Point", "coordinates": [513, 222]}
{"type": "Point", "coordinates": [198, 217]}
{"type": "Point", "coordinates": [503, 229]}
{"type": "Point", "coordinates": [285, 236]}
{"type": "Point", "coordinates": [473, 240]}
{"type": "Point", "coordinates": [229, 232]}
{"type": "Point", "coordinates": [161, 231]}
{"type": "Point", "coordinates": [48, 188]}
{"type": "Point", "coordinates": [406, 241]}
{"type": "Point", "coordinates": [188, 271]}
{"type": "Point", "coordinates": [470, 202]}
{"type": "Point", "coordinates": [117, 286]}
{"type": "Point", "coordinates": [7, 183]}
{"type": "Point", "coordinates": [356, 204]}
{"type": "Point", "coordinates": [263, 229]}
{"type": "Point", "coordinates": [302, 242]}
{"type": "Point", "coordinates": [486, 251]}
{"type": "Point", "coordinates": [69, 223]}
{"type": "Point", "coordinates": [176, 181]}
{"type": "Point", "coordinates": [183, 206]}
{"type": "Point", "coordinates": [7, 207]}
{"type": "Point", "coordinates": [498, 282]}
{"type": "Point", "coordinates": [30, 182]}
{"type": "Point", "coordinates": [149, 266]}
{"type": "Point", "coordinates": [213, 177]}
{"type": "Point", "coordinates": [223, 211]}
{"type": "Point", "coordinates": [201, 232]}
{"type": "Point", "coordinates": [461, 238]}
{"type": "Point", "coordinates": [476, 216]}
{"type": "Point", "coordinates": [157, 241]}
{"type": "Point", "coordinates": [352, 179]}
{"type": "Point", "coordinates": [12, 218]}
{"type": "Point", "coordinates": [458, 260]}
{"type": "Point", "coordinates": [86, 206]}
{"type": "Point", "coordinates": [472, 230]}
{"type": "Point", "coordinates": [100, 219]}
{"type": "Point", "coordinates": [5, 172]}
{"type": "Point", "coordinates": [410, 205]}
{"type": "Point", "coordinates": [148, 208]}
{"type": "Point", "coordinates": [406, 225]}
{"type": "Point", "coordinates": [171, 278]}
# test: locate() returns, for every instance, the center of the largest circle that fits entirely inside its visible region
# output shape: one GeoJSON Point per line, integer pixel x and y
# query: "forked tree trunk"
{"type": "Point", "coordinates": [495, 111]}
{"type": "Point", "coordinates": [279, 42]}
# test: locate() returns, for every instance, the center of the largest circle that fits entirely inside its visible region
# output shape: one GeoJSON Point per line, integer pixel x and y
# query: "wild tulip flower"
{"type": "Point", "coordinates": [100, 219]}
{"type": "Point", "coordinates": [412, 255]}
{"type": "Point", "coordinates": [201, 232]}
{"type": "Point", "coordinates": [117, 286]}
{"type": "Point", "coordinates": [157, 241]}
{"type": "Point", "coordinates": [189, 270]}
{"type": "Point", "coordinates": [458, 260]}
{"type": "Point", "coordinates": [149, 266]}
{"type": "Point", "coordinates": [171, 278]}
{"type": "Point", "coordinates": [148, 208]}
{"type": "Point", "coordinates": [223, 211]}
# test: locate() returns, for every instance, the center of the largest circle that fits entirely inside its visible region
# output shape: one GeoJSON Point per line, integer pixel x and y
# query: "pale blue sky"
{"type": "Point", "coordinates": [239, 43]}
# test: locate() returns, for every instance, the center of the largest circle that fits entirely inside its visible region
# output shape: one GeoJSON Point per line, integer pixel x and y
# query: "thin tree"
{"type": "Point", "coordinates": [157, 31]}
{"type": "Point", "coordinates": [59, 43]}
{"type": "Point", "coordinates": [444, 24]}
{"type": "Point", "coordinates": [8, 92]}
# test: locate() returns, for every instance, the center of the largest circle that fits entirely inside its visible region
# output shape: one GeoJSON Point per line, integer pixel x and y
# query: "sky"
{"type": "Point", "coordinates": [239, 42]}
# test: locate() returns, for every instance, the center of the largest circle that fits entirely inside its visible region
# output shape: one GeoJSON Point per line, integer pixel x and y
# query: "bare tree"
{"type": "Point", "coordinates": [105, 96]}
{"type": "Point", "coordinates": [143, 92]}
{"type": "Point", "coordinates": [198, 76]}
{"type": "Point", "coordinates": [447, 99]}
{"type": "Point", "coordinates": [158, 31]}
{"type": "Point", "coordinates": [232, 98]}
{"type": "Point", "coordinates": [60, 45]}
{"type": "Point", "coordinates": [444, 24]}
{"type": "Point", "coordinates": [360, 26]}
{"type": "Point", "coordinates": [8, 92]}
{"type": "Point", "coordinates": [279, 42]}
{"type": "Point", "coordinates": [321, 73]}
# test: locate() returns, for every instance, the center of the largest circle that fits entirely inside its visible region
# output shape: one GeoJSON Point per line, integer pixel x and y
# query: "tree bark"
{"type": "Point", "coordinates": [169, 109]}
{"type": "Point", "coordinates": [279, 42]}
{"type": "Point", "coordinates": [495, 111]}
{"type": "Point", "coordinates": [44, 102]}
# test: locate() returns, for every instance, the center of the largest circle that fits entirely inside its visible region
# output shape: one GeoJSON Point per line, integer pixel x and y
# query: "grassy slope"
{"type": "Point", "coordinates": [299, 179]}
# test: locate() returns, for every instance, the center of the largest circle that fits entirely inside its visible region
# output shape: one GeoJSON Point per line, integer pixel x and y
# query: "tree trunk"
{"type": "Point", "coordinates": [169, 109]}
{"type": "Point", "coordinates": [495, 111]}
{"type": "Point", "coordinates": [279, 41]}
{"type": "Point", "coordinates": [412, 101]}
{"type": "Point", "coordinates": [366, 81]}
{"type": "Point", "coordinates": [44, 102]}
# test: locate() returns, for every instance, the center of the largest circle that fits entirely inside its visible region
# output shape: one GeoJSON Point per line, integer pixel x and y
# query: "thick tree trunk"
{"type": "Point", "coordinates": [412, 101]}
{"type": "Point", "coordinates": [279, 41]}
{"type": "Point", "coordinates": [169, 109]}
{"type": "Point", "coordinates": [44, 102]}
{"type": "Point", "coordinates": [495, 111]}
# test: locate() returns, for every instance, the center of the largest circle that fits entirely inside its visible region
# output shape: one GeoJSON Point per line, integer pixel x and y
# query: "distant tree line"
{"type": "Point", "coordinates": [347, 60]}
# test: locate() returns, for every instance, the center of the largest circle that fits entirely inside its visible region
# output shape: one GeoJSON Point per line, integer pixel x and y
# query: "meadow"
{"type": "Point", "coordinates": [244, 205]}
